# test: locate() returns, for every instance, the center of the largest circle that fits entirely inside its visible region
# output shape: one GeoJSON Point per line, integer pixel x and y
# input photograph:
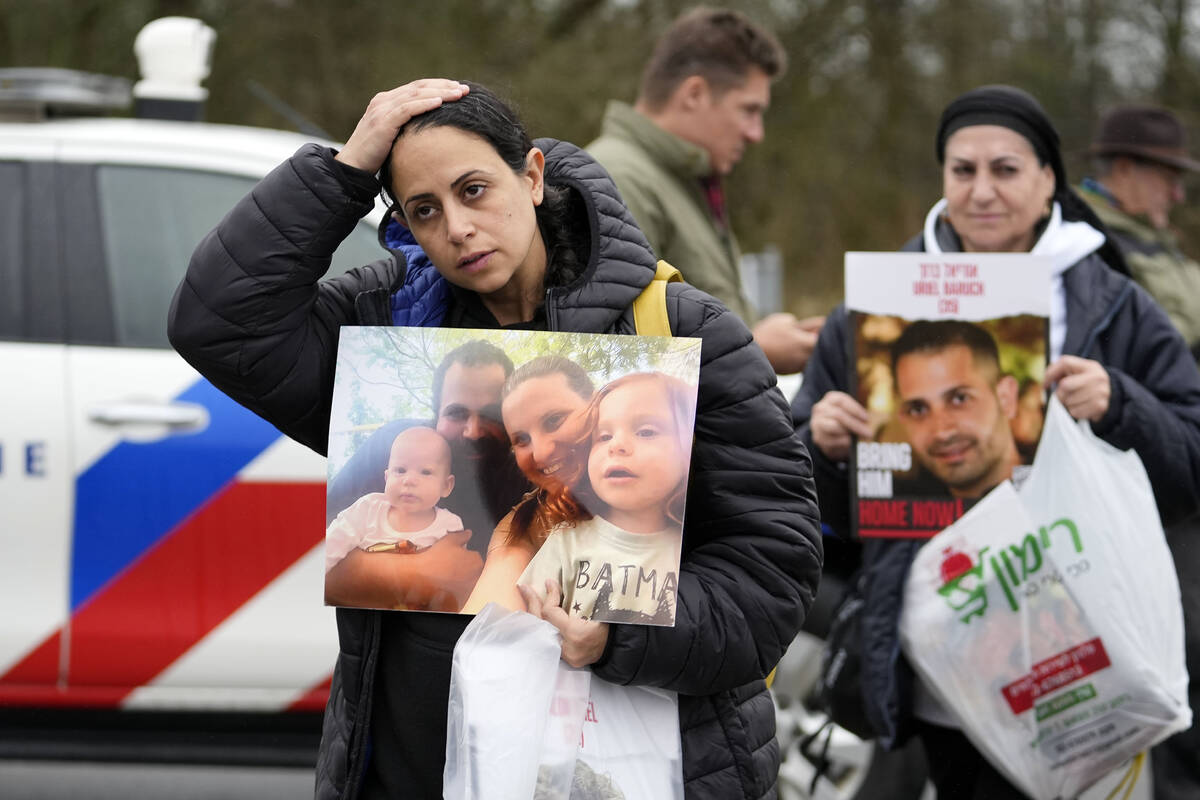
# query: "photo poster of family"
{"type": "Point", "coordinates": [948, 352]}
{"type": "Point", "coordinates": [527, 455]}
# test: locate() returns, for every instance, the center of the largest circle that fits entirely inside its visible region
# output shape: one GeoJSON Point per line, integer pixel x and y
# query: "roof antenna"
{"type": "Point", "coordinates": [174, 55]}
{"type": "Point", "coordinates": [302, 123]}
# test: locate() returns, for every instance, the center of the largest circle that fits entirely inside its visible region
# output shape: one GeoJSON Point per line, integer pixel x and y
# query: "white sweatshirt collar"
{"type": "Point", "coordinates": [1064, 242]}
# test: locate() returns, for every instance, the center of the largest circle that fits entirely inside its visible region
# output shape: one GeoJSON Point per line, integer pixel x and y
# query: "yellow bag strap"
{"type": "Point", "coordinates": [650, 307]}
{"type": "Point", "coordinates": [650, 319]}
{"type": "Point", "coordinates": [1129, 779]}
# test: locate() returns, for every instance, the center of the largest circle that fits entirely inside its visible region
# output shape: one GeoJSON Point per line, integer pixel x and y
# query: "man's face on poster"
{"type": "Point", "coordinates": [469, 416]}
{"type": "Point", "coordinates": [956, 409]}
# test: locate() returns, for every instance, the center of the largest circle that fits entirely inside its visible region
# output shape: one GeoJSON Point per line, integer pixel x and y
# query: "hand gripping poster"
{"type": "Point", "coordinates": [465, 462]}
{"type": "Point", "coordinates": [947, 355]}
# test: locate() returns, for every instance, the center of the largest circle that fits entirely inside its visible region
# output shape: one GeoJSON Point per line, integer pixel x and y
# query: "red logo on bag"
{"type": "Point", "coordinates": [955, 564]}
{"type": "Point", "coordinates": [1056, 672]}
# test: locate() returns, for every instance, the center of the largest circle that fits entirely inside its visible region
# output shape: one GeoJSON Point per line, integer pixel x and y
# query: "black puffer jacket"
{"type": "Point", "coordinates": [253, 318]}
{"type": "Point", "coordinates": [1154, 409]}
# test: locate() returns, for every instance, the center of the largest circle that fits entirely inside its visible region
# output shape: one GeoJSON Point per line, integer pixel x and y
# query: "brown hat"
{"type": "Point", "coordinates": [1146, 132]}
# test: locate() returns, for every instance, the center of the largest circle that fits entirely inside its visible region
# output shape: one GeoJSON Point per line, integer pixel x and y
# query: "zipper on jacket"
{"type": "Point", "coordinates": [551, 311]}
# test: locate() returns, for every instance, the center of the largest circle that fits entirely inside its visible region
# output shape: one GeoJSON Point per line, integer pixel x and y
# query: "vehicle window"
{"type": "Point", "coordinates": [12, 249]}
{"type": "Point", "coordinates": [152, 218]}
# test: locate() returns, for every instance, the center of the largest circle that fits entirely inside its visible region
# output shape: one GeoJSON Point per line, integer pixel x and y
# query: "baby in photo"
{"type": "Point", "coordinates": [615, 549]}
{"type": "Point", "coordinates": [405, 516]}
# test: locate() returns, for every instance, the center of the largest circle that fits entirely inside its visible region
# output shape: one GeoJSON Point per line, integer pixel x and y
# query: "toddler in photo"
{"type": "Point", "coordinates": [404, 517]}
{"type": "Point", "coordinates": [615, 546]}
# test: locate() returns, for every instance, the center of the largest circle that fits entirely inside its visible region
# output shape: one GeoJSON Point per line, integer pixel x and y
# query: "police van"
{"type": "Point", "coordinates": [160, 546]}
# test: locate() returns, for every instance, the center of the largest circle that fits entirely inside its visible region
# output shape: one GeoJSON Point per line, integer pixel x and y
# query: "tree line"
{"type": "Point", "coordinates": [848, 161]}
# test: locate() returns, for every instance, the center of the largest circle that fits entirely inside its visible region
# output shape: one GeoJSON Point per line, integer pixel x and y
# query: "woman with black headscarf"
{"type": "Point", "coordinates": [1116, 361]}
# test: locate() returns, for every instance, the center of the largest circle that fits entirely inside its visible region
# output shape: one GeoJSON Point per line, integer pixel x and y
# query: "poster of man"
{"type": "Point", "coordinates": [465, 462]}
{"type": "Point", "coordinates": [949, 356]}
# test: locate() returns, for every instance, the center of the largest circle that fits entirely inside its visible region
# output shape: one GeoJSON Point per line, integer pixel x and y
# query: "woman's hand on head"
{"type": "Point", "coordinates": [1084, 387]}
{"type": "Point", "coordinates": [583, 641]}
{"type": "Point", "coordinates": [835, 418]}
{"type": "Point", "coordinates": [387, 113]}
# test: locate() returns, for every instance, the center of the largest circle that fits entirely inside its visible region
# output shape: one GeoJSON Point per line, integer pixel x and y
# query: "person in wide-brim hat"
{"type": "Point", "coordinates": [1146, 132]}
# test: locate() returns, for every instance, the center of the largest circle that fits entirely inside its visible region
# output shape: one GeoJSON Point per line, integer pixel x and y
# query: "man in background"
{"type": "Point", "coordinates": [701, 103]}
{"type": "Point", "coordinates": [1140, 157]}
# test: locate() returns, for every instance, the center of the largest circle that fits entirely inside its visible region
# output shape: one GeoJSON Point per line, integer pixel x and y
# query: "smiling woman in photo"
{"type": "Point", "coordinates": [542, 413]}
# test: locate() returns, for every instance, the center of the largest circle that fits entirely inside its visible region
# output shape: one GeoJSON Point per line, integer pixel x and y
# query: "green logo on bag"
{"type": "Point", "coordinates": [964, 583]}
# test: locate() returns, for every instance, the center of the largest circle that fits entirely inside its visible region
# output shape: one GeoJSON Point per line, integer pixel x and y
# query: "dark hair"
{"type": "Point", "coordinates": [475, 353]}
{"type": "Point", "coordinates": [482, 113]}
{"type": "Point", "coordinates": [541, 366]}
{"type": "Point", "coordinates": [719, 45]}
{"type": "Point", "coordinates": [933, 336]}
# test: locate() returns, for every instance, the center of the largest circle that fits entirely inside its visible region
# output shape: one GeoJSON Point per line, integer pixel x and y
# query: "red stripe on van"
{"type": "Point", "coordinates": [192, 580]}
{"type": "Point", "coordinates": [44, 696]}
{"type": "Point", "coordinates": [38, 668]}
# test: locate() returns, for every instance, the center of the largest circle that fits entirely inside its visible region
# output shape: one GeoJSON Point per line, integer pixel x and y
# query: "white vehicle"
{"type": "Point", "coordinates": [160, 546]}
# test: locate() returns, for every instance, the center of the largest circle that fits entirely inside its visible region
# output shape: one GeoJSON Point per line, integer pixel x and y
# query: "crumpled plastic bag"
{"type": "Point", "coordinates": [629, 747]}
{"type": "Point", "coordinates": [1047, 620]}
{"type": "Point", "coordinates": [523, 724]}
{"type": "Point", "coordinates": [509, 715]}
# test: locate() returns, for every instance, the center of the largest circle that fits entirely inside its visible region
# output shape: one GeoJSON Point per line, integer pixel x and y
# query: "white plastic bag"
{"type": "Point", "coordinates": [1047, 620]}
{"type": "Point", "coordinates": [630, 745]}
{"type": "Point", "coordinates": [522, 724]}
{"type": "Point", "coordinates": [513, 712]}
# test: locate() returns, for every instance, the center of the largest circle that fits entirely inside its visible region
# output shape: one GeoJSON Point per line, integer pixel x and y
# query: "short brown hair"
{"type": "Point", "coordinates": [719, 45]}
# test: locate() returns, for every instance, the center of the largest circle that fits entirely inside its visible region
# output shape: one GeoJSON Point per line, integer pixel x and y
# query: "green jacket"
{"type": "Point", "coordinates": [658, 175]}
{"type": "Point", "coordinates": [1156, 262]}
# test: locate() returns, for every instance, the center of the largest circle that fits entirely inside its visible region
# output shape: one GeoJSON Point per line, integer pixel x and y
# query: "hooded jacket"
{"type": "Point", "coordinates": [1154, 409]}
{"type": "Point", "coordinates": [254, 317]}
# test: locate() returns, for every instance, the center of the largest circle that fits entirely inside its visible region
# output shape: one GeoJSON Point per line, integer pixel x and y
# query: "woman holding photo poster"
{"type": "Point", "coordinates": [1115, 361]}
{"type": "Point", "coordinates": [530, 237]}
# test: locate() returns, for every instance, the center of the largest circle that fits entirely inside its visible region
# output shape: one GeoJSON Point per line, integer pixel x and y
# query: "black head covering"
{"type": "Point", "coordinates": [1011, 108]}
{"type": "Point", "coordinates": [1019, 111]}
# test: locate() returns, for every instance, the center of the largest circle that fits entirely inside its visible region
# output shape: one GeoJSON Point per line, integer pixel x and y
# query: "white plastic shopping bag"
{"type": "Point", "coordinates": [515, 716]}
{"type": "Point", "coordinates": [522, 724]}
{"type": "Point", "coordinates": [1047, 620]}
{"type": "Point", "coordinates": [630, 745]}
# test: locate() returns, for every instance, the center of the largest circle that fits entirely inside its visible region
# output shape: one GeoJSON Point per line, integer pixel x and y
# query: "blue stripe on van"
{"type": "Point", "coordinates": [138, 492]}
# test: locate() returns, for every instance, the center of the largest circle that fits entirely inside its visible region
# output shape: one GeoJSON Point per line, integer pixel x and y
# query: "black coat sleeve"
{"type": "Point", "coordinates": [1154, 408]}
{"type": "Point", "coordinates": [252, 314]}
{"type": "Point", "coordinates": [752, 544]}
{"type": "Point", "coordinates": [827, 371]}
